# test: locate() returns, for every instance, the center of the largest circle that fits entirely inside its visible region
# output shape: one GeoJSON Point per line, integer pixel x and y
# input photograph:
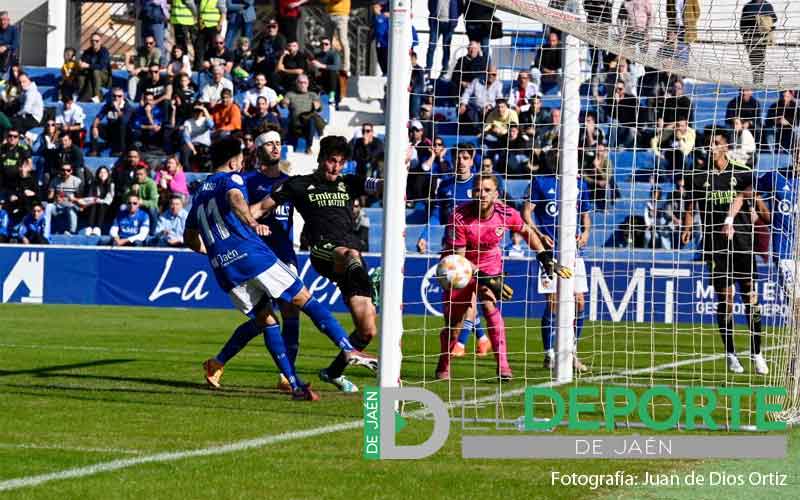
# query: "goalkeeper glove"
{"type": "Point", "coordinates": [551, 267]}
{"type": "Point", "coordinates": [495, 284]}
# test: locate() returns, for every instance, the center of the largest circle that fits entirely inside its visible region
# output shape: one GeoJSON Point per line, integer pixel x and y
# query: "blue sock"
{"type": "Point", "coordinates": [276, 347]}
{"type": "Point", "coordinates": [291, 337]}
{"type": "Point", "coordinates": [327, 324]}
{"type": "Point", "coordinates": [466, 330]}
{"type": "Point", "coordinates": [479, 331]}
{"type": "Point", "coordinates": [241, 336]}
{"type": "Point", "coordinates": [547, 328]}
{"type": "Point", "coordinates": [579, 317]}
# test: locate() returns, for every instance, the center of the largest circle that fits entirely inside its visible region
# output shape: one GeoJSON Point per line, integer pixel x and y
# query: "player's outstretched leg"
{"type": "Point", "coordinates": [497, 336]}
{"type": "Point", "coordinates": [725, 323]}
{"type": "Point", "coordinates": [214, 367]}
{"type": "Point", "coordinates": [290, 331]}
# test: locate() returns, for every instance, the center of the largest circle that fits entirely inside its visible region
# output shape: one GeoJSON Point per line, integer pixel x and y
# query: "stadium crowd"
{"type": "Point", "coordinates": [223, 76]}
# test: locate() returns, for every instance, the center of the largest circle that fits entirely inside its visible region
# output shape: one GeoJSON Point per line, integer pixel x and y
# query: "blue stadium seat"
{"type": "Point", "coordinates": [43, 77]}
{"type": "Point", "coordinates": [768, 162]}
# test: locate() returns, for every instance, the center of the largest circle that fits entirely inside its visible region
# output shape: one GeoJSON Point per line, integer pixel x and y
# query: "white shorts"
{"type": "Point", "coordinates": [788, 270]}
{"type": "Point", "coordinates": [277, 282]}
{"type": "Point", "coordinates": [547, 286]}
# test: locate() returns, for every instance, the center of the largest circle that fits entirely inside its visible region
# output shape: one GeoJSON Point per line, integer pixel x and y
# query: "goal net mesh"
{"type": "Point", "coordinates": [655, 93]}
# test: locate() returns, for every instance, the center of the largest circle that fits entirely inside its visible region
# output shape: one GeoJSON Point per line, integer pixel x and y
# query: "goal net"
{"type": "Point", "coordinates": [616, 114]}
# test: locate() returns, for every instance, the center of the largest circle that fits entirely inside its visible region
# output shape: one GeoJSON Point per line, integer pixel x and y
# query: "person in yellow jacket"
{"type": "Point", "coordinates": [211, 20]}
{"type": "Point", "coordinates": [339, 10]}
{"type": "Point", "coordinates": [183, 18]}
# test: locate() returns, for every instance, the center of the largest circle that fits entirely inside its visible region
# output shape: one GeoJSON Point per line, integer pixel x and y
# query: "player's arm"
{"type": "Point", "coordinates": [544, 256]}
{"type": "Point", "coordinates": [734, 209]}
{"type": "Point", "coordinates": [192, 239]}
{"type": "Point", "coordinates": [586, 227]}
{"type": "Point", "coordinates": [263, 207]}
{"type": "Point", "coordinates": [762, 209]}
{"type": "Point", "coordinates": [242, 211]}
{"type": "Point", "coordinates": [688, 223]}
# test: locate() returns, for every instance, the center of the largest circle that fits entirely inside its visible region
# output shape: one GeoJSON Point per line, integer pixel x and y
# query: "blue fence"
{"type": "Point", "coordinates": [641, 291]}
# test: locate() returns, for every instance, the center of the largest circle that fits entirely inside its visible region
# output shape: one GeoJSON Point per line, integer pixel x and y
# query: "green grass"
{"type": "Point", "coordinates": [85, 385]}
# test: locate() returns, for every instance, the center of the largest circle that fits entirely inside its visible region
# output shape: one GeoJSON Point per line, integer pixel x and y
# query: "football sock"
{"type": "Point", "coordinates": [466, 330]}
{"type": "Point", "coordinates": [444, 350]}
{"type": "Point", "coordinates": [547, 328]}
{"type": "Point", "coordinates": [243, 334]}
{"type": "Point", "coordinates": [327, 324]}
{"type": "Point", "coordinates": [291, 337]}
{"type": "Point", "coordinates": [339, 363]}
{"type": "Point", "coordinates": [357, 276]}
{"type": "Point", "coordinates": [479, 331]}
{"type": "Point", "coordinates": [274, 342]}
{"type": "Point", "coordinates": [497, 335]}
{"type": "Point", "coordinates": [754, 319]}
{"type": "Point", "coordinates": [725, 323]}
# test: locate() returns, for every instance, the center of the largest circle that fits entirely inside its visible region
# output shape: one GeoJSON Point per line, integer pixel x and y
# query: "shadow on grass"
{"type": "Point", "coordinates": [46, 371]}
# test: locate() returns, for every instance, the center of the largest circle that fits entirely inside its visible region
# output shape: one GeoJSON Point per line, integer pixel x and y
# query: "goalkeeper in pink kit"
{"type": "Point", "coordinates": [476, 231]}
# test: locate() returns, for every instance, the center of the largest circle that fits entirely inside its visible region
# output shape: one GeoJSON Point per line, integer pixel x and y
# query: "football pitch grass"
{"type": "Point", "coordinates": [109, 402]}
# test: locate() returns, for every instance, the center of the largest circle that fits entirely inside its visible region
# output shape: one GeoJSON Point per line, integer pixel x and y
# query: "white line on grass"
{"type": "Point", "coordinates": [248, 444]}
{"type": "Point", "coordinates": [68, 448]}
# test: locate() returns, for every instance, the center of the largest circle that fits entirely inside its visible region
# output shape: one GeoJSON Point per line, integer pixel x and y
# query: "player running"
{"type": "Point", "coordinates": [280, 239]}
{"type": "Point", "coordinates": [220, 226]}
{"type": "Point", "coordinates": [727, 243]}
{"type": "Point", "coordinates": [325, 200]}
{"type": "Point", "coordinates": [543, 202]}
{"type": "Point", "coordinates": [476, 231]}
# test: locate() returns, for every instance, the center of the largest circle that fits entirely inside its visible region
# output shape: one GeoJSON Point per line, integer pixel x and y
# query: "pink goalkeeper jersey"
{"type": "Point", "coordinates": [483, 237]}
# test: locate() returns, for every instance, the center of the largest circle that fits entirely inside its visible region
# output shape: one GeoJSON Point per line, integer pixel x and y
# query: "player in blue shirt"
{"type": "Point", "coordinates": [260, 184]}
{"type": "Point", "coordinates": [543, 204]}
{"type": "Point", "coordinates": [220, 226]}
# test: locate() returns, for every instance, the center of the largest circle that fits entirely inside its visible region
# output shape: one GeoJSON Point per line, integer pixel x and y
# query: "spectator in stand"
{"type": "Point", "coordinates": [782, 118]}
{"type": "Point", "coordinates": [487, 169]}
{"type": "Point", "coordinates": [421, 143]}
{"type": "Point", "coordinates": [24, 193]}
{"type": "Point", "coordinates": [757, 25]}
{"type": "Point", "coordinates": [656, 234]}
{"type": "Point", "coordinates": [361, 226]}
{"type": "Point", "coordinates": [368, 152]}
{"type": "Point", "coordinates": [211, 93]}
{"type": "Point", "coordinates": [158, 85]}
{"type": "Point", "coordinates": [547, 141]}
{"type": "Point", "coordinates": [132, 226]}
{"type": "Point", "coordinates": [95, 71]}
{"type": "Point", "coordinates": [145, 188]}
{"type": "Point", "coordinates": [291, 65]}
{"type": "Point", "coordinates": [547, 71]}
{"type": "Point", "coordinates": [517, 248]}
{"type": "Point", "coordinates": [289, 18]}
{"type": "Point", "coordinates": [5, 221]}
{"type": "Point", "coordinates": [218, 55]}
{"type": "Point", "coordinates": [179, 111]}
{"type": "Point", "coordinates": [674, 107]}
{"type": "Point", "coordinates": [34, 229]}
{"type": "Point", "coordinates": [743, 144]}
{"type": "Point", "coordinates": [179, 63]}
{"type": "Point", "coordinates": [9, 97]}
{"type": "Point", "coordinates": [416, 87]}
{"type": "Point", "coordinates": [599, 178]}
{"type": "Point", "coordinates": [138, 62]}
{"type": "Point", "coordinates": [380, 33]}
{"type": "Point", "coordinates": [535, 115]}
{"type": "Point", "coordinates": [171, 182]}
{"type": "Point", "coordinates": [521, 91]}
{"type": "Point", "coordinates": [153, 15]}
{"type": "Point", "coordinates": [261, 117]}
{"type": "Point", "coordinates": [495, 132]}
{"type": "Point", "coordinates": [674, 209]}
{"type": "Point", "coordinates": [32, 106]}
{"type": "Point", "coordinates": [622, 112]}
{"type": "Point", "coordinates": [437, 163]}
{"type": "Point", "coordinates": [591, 136]}
{"type": "Point", "coordinates": [69, 153]}
{"type": "Point", "coordinates": [197, 139]}
{"type": "Point", "coordinates": [478, 23]}
{"type": "Point", "coordinates": [748, 109]}
{"type": "Point", "coordinates": [339, 11]}
{"type": "Point", "coordinates": [12, 153]}
{"type": "Point", "coordinates": [673, 146]}
{"type": "Point", "coordinates": [249, 153]}
{"type": "Point", "coordinates": [111, 123]}
{"type": "Point", "coordinates": [619, 71]}
{"type": "Point", "coordinates": [599, 15]}
{"type": "Point", "coordinates": [478, 100]}
{"type": "Point", "coordinates": [146, 124]}
{"type": "Point", "coordinates": [442, 22]}
{"type": "Point", "coordinates": [62, 194]}
{"type": "Point", "coordinates": [183, 18]}
{"type": "Point", "coordinates": [470, 66]}
{"type": "Point", "coordinates": [124, 172]}
{"type": "Point", "coordinates": [171, 223]}
{"type": "Point", "coordinates": [70, 119]}
{"type": "Point", "coordinates": [304, 107]}
{"type": "Point", "coordinates": [327, 64]}
{"type": "Point", "coordinates": [516, 159]}
{"type": "Point", "coordinates": [226, 115]}
{"type": "Point", "coordinates": [212, 19]}
{"type": "Point", "coordinates": [69, 74]}
{"type": "Point", "coordinates": [9, 44]}
{"type": "Point", "coordinates": [272, 46]}
{"type": "Point", "coordinates": [241, 15]}
{"type": "Point", "coordinates": [244, 61]}
{"type": "Point", "coordinates": [637, 18]}
{"type": "Point", "coordinates": [47, 144]}
{"type": "Point", "coordinates": [260, 89]}
{"type": "Point", "coordinates": [421, 185]}
{"type": "Point", "coordinates": [97, 201]}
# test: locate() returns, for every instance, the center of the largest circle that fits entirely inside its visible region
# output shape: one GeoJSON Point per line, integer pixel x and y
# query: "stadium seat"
{"type": "Point", "coordinates": [517, 189]}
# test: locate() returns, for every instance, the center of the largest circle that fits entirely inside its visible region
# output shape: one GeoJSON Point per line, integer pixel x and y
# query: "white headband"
{"type": "Point", "coordinates": [266, 137]}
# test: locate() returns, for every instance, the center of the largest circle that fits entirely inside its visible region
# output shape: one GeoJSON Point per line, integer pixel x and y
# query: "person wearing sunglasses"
{"type": "Point", "coordinates": [327, 64]}
{"type": "Point", "coordinates": [62, 195]}
{"type": "Point", "coordinates": [11, 153]}
{"type": "Point", "coordinates": [95, 72]}
{"type": "Point", "coordinates": [212, 21]}
{"type": "Point", "coordinates": [111, 124]}
{"type": "Point", "coordinates": [218, 55]}
{"type": "Point", "coordinates": [132, 225]}
{"type": "Point", "coordinates": [139, 61]}
{"type": "Point", "coordinates": [368, 152]}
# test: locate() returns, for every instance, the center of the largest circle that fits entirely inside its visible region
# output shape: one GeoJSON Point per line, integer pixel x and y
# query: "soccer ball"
{"type": "Point", "coordinates": [454, 271]}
